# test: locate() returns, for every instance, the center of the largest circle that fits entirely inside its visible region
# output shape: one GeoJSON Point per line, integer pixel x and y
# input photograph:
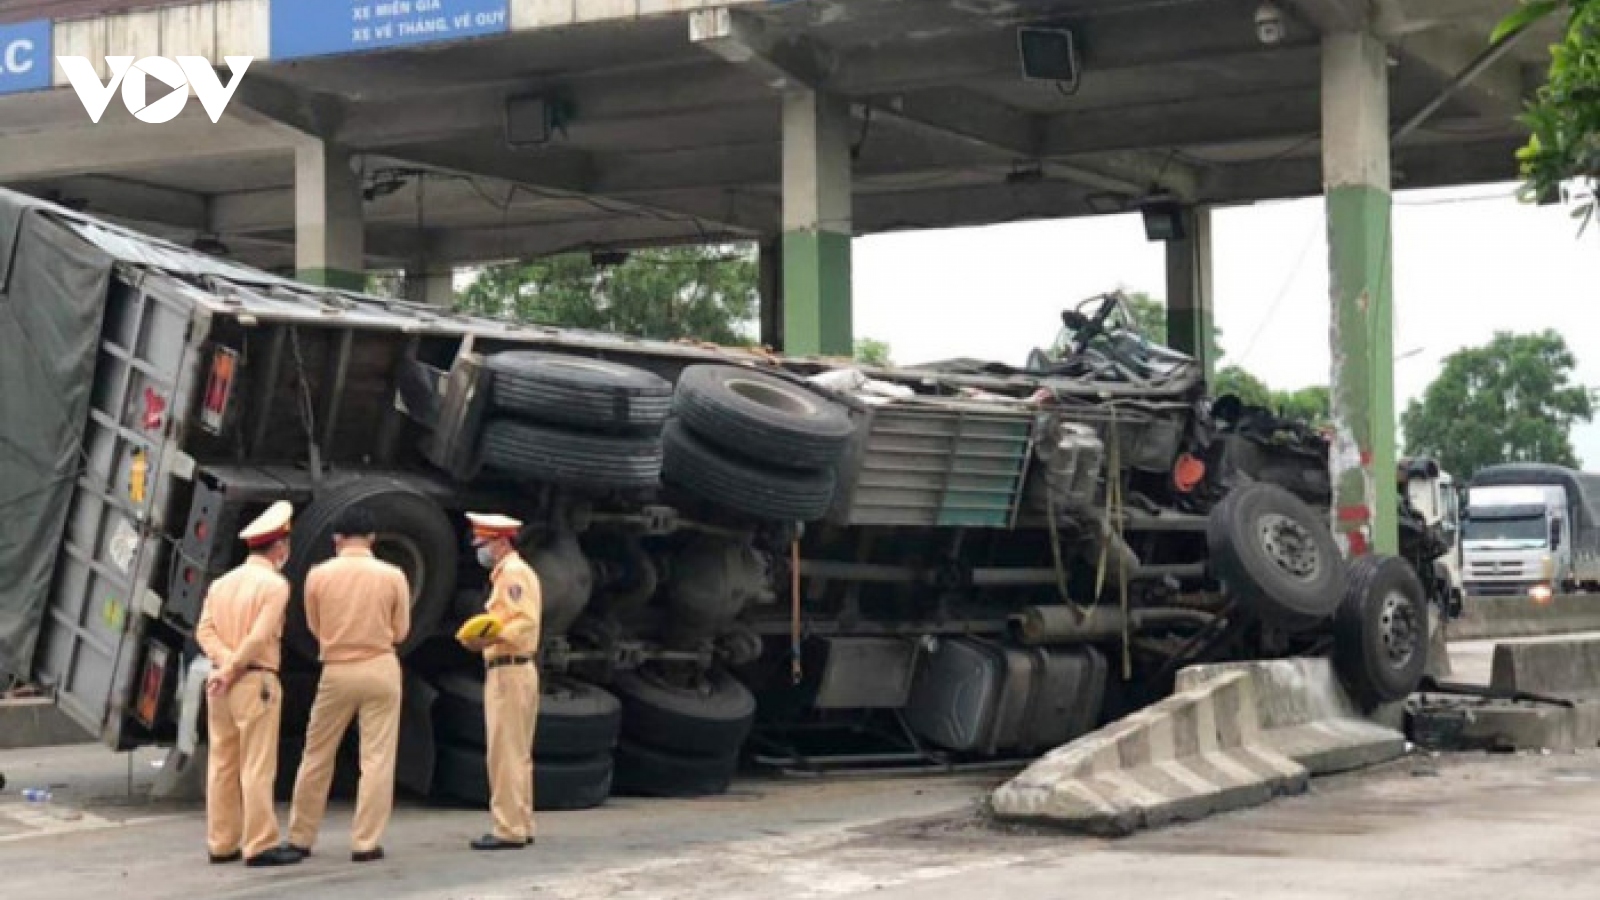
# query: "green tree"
{"type": "Point", "coordinates": [1236, 381]}
{"type": "Point", "coordinates": [706, 293]}
{"type": "Point", "coordinates": [873, 352]}
{"type": "Point", "coordinates": [1510, 401]}
{"type": "Point", "coordinates": [1311, 404]}
{"type": "Point", "coordinates": [1564, 117]}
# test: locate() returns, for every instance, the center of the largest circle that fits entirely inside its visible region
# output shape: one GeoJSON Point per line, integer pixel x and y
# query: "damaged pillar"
{"type": "Point", "coordinates": [329, 234]}
{"type": "Point", "coordinates": [1189, 295]}
{"type": "Point", "coordinates": [817, 227]}
{"type": "Point", "coordinates": [1356, 180]}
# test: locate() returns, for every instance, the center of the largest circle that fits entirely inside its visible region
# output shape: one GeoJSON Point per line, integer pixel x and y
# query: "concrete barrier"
{"type": "Point", "coordinates": [1485, 618]}
{"type": "Point", "coordinates": [1231, 736]}
{"type": "Point", "coordinates": [1569, 669]}
{"type": "Point", "coordinates": [37, 722]}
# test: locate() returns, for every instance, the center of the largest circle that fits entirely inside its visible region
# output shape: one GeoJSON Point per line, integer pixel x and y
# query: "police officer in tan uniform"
{"type": "Point", "coordinates": [241, 627]}
{"type": "Point", "coordinates": [359, 609]}
{"type": "Point", "coordinates": [511, 686]}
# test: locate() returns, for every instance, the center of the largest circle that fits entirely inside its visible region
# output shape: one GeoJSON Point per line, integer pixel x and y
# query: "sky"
{"type": "Point", "coordinates": [1467, 262]}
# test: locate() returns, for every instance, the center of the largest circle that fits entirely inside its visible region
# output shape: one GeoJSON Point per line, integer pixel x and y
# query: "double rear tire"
{"type": "Point", "coordinates": [681, 740]}
{"type": "Point", "coordinates": [754, 444]}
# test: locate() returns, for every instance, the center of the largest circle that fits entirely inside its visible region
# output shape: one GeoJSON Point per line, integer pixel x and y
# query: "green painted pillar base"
{"type": "Point", "coordinates": [333, 278]}
{"type": "Point", "coordinates": [1360, 256]}
{"type": "Point", "coordinates": [817, 313]}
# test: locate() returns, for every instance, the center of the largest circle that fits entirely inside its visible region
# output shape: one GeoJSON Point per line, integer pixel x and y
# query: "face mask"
{"type": "Point", "coordinates": [486, 557]}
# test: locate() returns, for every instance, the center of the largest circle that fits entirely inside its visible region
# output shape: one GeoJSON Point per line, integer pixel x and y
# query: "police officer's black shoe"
{"type": "Point", "coordinates": [491, 842]}
{"type": "Point", "coordinates": [222, 859]}
{"type": "Point", "coordinates": [373, 855]}
{"type": "Point", "coordinates": [277, 856]}
{"type": "Point", "coordinates": [302, 852]}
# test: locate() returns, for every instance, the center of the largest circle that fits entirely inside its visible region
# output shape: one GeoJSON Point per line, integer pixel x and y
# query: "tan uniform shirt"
{"type": "Point", "coordinates": [518, 604]}
{"type": "Point", "coordinates": [358, 606]}
{"type": "Point", "coordinates": [241, 623]}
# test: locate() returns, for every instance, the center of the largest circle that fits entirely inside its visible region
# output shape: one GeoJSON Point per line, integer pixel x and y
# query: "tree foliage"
{"type": "Point", "coordinates": [1564, 117]}
{"type": "Point", "coordinates": [707, 293]}
{"type": "Point", "coordinates": [1311, 404]}
{"type": "Point", "coordinates": [1510, 401]}
{"type": "Point", "coordinates": [873, 352]}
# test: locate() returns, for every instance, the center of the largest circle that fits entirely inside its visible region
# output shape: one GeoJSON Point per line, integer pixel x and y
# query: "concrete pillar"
{"type": "Point", "coordinates": [328, 229]}
{"type": "Point", "coordinates": [771, 285]}
{"type": "Point", "coordinates": [431, 284]}
{"type": "Point", "coordinates": [816, 225]}
{"type": "Point", "coordinates": [1356, 180]}
{"type": "Point", "coordinates": [1189, 290]}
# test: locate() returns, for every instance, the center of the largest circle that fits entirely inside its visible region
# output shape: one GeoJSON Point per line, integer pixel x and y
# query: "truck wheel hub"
{"type": "Point", "coordinates": [1290, 546]}
{"type": "Point", "coordinates": [1398, 629]}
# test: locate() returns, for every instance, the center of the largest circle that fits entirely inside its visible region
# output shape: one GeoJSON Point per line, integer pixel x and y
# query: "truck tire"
{"type": "Point", "coordinates": [462, 776]}
{"type": "Point", "coordinates": [762, 418]}
{"type": "Point", "coordinates": [413, 533]}
{"type": "Point", "coordinates": [711, 718]}
{"type": "Point", "coordinates": [772, 494]}
{"type": "Point", "coordinates": [647, 772]}
{"type": "Point", "coordinates": [572, 459]}
{"type": "Point", "coordinates": [1276, 557]}
{"type": "Point", "coordinates": [1380, 632]}
{"type": "Point", "coordinates": [561, 389]}
{"type": "Point", "coordinates": [575, 718]}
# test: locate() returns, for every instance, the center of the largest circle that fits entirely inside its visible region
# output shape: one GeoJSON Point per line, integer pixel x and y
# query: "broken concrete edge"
{"type": "Point", "coordinates": [30, 722]}
{"type": "Point", "coordinates": [1232, 736]}
{"type": "Point", "coordinates": [1502, 726]}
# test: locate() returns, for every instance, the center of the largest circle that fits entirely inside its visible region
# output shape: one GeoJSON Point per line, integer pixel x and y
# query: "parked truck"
{"type": "Point", "coordinates": [1532, 530]}
{"type": "Point", "coordinates": [743, 557]}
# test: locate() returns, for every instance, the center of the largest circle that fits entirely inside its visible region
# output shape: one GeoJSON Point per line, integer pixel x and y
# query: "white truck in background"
{"type": "Point", "coordinates": [1531, 530]}
{"type": "Point", "coordinates": [1434, 499]}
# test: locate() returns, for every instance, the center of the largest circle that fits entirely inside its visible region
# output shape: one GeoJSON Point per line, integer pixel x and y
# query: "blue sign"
{"type": "Point", "coordinates": [25, 58]}
{"type": "Point", "coordinates": [303, 28]}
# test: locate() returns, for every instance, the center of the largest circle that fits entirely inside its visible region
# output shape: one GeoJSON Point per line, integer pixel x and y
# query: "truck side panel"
{"type": "Point", "coordinates": [114, 548]}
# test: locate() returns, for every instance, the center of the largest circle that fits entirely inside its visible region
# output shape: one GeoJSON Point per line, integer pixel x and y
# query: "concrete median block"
{"type": "Point", "coordinates": [1191, 755]}
{"type": "Point", "coordinates": [1306, 715]}
{"type": "Point", "coordinates": [37, 722]}
{"type": "Point", "coordinates": [1231, 736]}
{"type": "Point", "coordinates": [1568, 669]}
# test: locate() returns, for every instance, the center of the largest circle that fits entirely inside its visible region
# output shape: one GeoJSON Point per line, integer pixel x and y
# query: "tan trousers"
{"type": "Point", "coordinates": [511, 711]}
{"type": "Point", "coordinates": [370, 689]}
{"type": "Point", "coordinates": [242, 730]}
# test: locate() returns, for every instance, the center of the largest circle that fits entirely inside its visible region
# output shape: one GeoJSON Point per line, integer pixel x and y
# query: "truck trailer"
{"type": "Point", "coordinates": [746, 558]}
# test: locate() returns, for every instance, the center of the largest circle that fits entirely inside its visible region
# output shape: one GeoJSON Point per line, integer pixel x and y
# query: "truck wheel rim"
{"type": "Point", "coordinates": [403, 551]}
{"type": "Point", "coordinates": [1290, 546]}
{"type": "Point", "coordinates": [1397, 628]}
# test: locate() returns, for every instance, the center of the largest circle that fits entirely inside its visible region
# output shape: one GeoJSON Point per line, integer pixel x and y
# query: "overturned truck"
{"type": "Point", "coordinates": [745, 558]}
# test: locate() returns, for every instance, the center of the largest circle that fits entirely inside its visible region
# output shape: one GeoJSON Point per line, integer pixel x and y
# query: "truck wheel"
{"type": "Point", "coordinates": [575, 718]}
{"type": "Point", "coordinates": [560, 389]}
{"type": "Point", "coordinates": [712, 716]}
{"type": "Point", "coordinates": [773, 494]}
{"type": "Point", "coordinates": [571, 459]}
{"type": "Point", "coordinates": [1380, 632]}
{"type": "Point", "coordinates": [762, 418]}
{"type": "Point", "coordinates": [647, 772]}
{"type": "Point", "coordinates": [462, 776]}
{"type": "Point", "coordinates": [1276, 556]}
{"type": "Point", "coordinates": [413, 533]}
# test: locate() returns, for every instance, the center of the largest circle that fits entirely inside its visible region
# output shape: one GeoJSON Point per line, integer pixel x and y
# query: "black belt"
{"type": "Point", "coordinates": [255, 668]}
{"type": "Point", "coordinates": [499, 661]}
